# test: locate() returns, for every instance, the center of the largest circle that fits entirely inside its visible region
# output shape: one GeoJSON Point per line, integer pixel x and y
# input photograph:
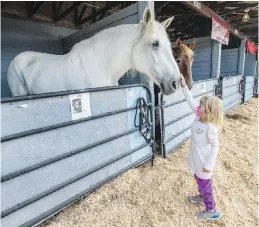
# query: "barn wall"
{"type": "Point", "coordinates": [202, 64]}
{"type": "Point", "coordinates": [18, 36]}
{"type": "Point", "coordinates": [128, 15]}
{"type": "Point", "coordinates": [229, 62]}
{"type": "Point", "coordinates": [250, 65]}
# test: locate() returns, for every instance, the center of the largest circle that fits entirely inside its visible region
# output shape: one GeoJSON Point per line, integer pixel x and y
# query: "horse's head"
{"type": "Point", "coordinates": [184, 57]}
{"type": "Point", "coordinates": [153, 56]}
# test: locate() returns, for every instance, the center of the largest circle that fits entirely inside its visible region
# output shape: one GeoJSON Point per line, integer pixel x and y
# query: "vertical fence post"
{"type": "Point", "coordinates": [241, 65]}
{"type": "Point", "coordinates": [241, 58]}
{"type": "Point", "coordinates": [216, 59]}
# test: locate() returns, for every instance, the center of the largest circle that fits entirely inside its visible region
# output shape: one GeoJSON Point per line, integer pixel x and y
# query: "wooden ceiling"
{"type": "Point", "coordinates": [71, 14]}
{"type": "Point", "coordinates": [233, 13]}
{"type": "Point", "coordinates": [187, 23]}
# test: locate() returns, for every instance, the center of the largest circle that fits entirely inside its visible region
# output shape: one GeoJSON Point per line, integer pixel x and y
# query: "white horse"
{"type": "Point", "coordinates": [100, 61]}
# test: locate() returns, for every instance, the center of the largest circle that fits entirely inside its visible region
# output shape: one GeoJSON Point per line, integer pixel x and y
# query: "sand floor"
{"type": "Point", "coordinates": [157, 196]}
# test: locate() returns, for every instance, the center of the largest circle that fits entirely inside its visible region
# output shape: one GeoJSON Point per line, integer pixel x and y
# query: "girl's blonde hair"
{"type": "Point", "coordinates": [213, 110]}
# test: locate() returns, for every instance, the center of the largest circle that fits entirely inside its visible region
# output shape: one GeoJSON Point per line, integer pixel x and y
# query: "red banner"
{"type": "Point", "coordinates": [251, 48]}
{"type": "Point", "coordinates": [220, 30]}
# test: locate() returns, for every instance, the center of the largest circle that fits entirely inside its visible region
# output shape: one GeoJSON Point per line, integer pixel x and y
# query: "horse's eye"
{"type": "Point", "coordinates": [178, 61]}
{"type": "Point", "coordinates": [155, 44]}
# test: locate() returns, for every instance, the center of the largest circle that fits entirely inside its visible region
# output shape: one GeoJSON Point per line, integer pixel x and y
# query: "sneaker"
{"type": "Point", "coordinates": [197, 199]}
{"type": "Point", "coordinates": [208, 215]}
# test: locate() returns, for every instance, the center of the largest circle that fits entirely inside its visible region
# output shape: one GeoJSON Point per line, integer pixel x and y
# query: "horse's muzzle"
{"type": "Point", "coordinates": [169, 87]}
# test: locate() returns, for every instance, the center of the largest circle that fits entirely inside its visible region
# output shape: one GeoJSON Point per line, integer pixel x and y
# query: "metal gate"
{"type": "Point", "coordinates": [231, 88]}
{"type": "Point", "coordinates": [176, 117]}
{"type": "Point", "coordinates": [58, 147]}
{"type": "Point", "coordinates": [249, 88]}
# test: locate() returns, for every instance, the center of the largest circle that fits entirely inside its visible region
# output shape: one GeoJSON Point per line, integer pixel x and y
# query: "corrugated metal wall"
{"type": "Point", "coordinates": [202, 65]}
{"type": "Point", "coordinates": [229, 62]}
{"type": "Point", "coordinates": [250, 65]}
{"type": "Point", "coordinates": [19, 35]}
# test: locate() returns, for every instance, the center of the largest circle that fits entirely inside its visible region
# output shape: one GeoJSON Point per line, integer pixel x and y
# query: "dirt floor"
{"type": "Point", "coordinates": [157, 196]}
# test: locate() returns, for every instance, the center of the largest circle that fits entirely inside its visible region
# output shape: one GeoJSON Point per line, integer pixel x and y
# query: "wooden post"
{"type": "Point", "coordinates": [216, 59]}
{"type": "Point", "coordinates": [241, 58]}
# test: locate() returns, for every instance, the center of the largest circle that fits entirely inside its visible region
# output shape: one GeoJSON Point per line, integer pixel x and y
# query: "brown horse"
{"type": "Point", "coordinates": [184, 57]}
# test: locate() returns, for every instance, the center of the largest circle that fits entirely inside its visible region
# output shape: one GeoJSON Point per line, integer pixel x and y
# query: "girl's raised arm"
{"type": "Point", "coordinates": [188, 96]}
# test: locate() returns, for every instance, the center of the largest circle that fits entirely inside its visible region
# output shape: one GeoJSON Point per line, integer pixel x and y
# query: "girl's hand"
{"type": "Point", "coordinates": [205, 171]}
{"type": "Point", "coordinates": [183, 84]}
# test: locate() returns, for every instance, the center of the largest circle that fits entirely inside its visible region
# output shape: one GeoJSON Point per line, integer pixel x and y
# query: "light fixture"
{"type": "Point", "coordinates": [245, 17]}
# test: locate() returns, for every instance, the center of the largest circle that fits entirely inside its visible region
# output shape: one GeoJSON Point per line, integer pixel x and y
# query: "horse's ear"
{"type": "Point", "coordinates": [178, 42]}
{"type": "Point", "coordinates": [192, 44]}
{"type": "Point", "coordinates": [147, 16]}
{"type": "Point", "coordinates": [167, 22]}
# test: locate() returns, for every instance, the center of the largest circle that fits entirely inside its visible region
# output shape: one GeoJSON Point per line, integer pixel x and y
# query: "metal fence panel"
{"type": "Point", "coordinates": [176, 116]}
{"type": "Point", "coordinates": [50, 160]}
{"type": "Point", "coordinates": [249, 88]}
{"type": "Point", "coordinates": [231, 94]}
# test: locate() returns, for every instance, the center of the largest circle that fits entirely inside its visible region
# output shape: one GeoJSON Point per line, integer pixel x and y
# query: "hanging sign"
{"type": "Point", "coordinates": [220, 30]}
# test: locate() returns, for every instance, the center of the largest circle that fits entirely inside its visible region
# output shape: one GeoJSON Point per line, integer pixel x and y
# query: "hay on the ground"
{"type": "Point", "coordinates": [157, 196]}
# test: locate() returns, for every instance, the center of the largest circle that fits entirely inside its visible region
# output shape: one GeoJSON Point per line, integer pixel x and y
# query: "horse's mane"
{"type": "Point", "coordinates": [186, 50]}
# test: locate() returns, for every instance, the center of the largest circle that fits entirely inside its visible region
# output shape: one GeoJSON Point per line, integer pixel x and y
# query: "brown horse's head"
{"type": "Point", "coordinates": [184, 57]}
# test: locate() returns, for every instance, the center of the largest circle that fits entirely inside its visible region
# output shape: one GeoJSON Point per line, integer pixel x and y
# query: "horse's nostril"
{"type": "Point", "coordinates": [174, 84]}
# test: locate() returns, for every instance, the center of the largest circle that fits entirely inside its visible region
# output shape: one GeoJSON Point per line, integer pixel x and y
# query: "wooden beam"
{"type": "Point", "coordinates": [239, 21]}
{"type": "Point", "coordinates": [207, 12]}
{"type": "Point", "coordinates": [236, 10]}
{"type": "Point", "coordinates": [33, 8]}
{"type": "Point", "coordinates": [78, 17]}
{"type": "Point", "coordinates": [93, 16]}
{"type": "Point", "coordinates": [69, 10]}
{"type": "Point", "coordinates": [82, 12]}
{"type": "Point", "coordinates": [245, 26]}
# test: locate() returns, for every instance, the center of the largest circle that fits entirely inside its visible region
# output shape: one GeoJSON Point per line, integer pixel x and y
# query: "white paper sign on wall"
{"type": "Point", "coordinates": [203, 87]}
{"type": "Point", "coordinates": [80, 106]}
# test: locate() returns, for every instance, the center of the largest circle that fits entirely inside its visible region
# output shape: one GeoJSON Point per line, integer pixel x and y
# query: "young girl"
{"type": "Point", "coordinates": [204, 148]}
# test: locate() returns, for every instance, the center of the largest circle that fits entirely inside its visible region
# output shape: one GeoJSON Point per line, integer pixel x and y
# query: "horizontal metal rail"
{"type": "Point", "coordinates": [250, 89]}
{"type": "Point", "coordinates": [183, 100]}
{"type": "Point", "coordinates": [63, 124]}
{"type": "Point", "coordinates": [179, 118]}
{"type": "Point", "coordinates": [231, 94]}
{"type": "Point", "coordinates": [49, 161]}
{"type": "Point", "coordinates": [76, 197]}
{"type": "Point", "coordinates": [63, 93]}
{"type": "Point", "coordinates": [232, 102]}
{"type": "Point", "coordinates": [206, 80]}
{"type": "Point", "coordinates": [177, 134]}
{"type": "Point", "coordinates": [176, 146]}
{"type": "Point", "coordinates": [249, 82]}
{"type": "Point", "coordinates": [55, 188]}
{"type": "Point", "coordinates": [232, 85]}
